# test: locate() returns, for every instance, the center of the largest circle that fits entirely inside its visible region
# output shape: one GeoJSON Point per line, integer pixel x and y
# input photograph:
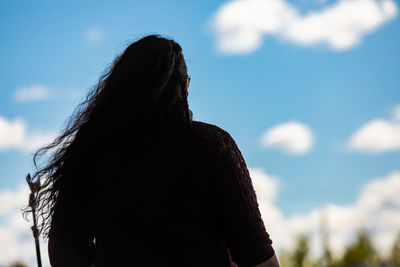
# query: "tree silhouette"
{"type": "Point", "coordinates": [301, 251]}
{"type": "Point", "coordinates": [326, 259]}
{"type": "Point", "coordinates": [395, 253]}
{"type": "Point", "coordinates": [298, 257]}
{"type": "Point", "coordinates": [360, 253]}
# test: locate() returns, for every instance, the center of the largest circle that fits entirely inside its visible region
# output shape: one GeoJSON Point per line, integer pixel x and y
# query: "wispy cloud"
{"type": "Point", "coordinates": [39, 92]}
{"type": "Point", "coordinates": [291, 137]}
{"type": "Point", "coordinates": [241, 25]}
{"type": "Point", "coordinates": [14, 135]}
{"type": "Point", "coordinates": [94, 34]}
{"type": "Point", "coordinates": [34, 92]}
{"type": "Point", "coordinates": [378, 135]}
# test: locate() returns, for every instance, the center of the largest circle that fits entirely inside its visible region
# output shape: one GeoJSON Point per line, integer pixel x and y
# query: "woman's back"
{"type": "Point", "coordinates": [146, 210]}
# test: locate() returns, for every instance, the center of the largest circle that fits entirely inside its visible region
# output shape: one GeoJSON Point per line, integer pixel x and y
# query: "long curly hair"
{"type": "Point", "coordinates": [143, 90]}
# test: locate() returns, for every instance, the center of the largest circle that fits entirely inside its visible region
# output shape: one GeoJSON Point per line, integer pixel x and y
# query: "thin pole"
{"type": "Point", "coordinates": [34, 187]}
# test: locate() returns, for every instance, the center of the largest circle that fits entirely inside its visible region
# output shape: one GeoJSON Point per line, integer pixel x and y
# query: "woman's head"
{"type": "Point", "coordinates": [146, 84]}
{"type": "Point", "coordinates": [144, 89]}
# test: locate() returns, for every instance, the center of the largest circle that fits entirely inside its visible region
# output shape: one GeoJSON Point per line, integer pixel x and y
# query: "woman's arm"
{"type": "Point", "coordinates": [239, 217]}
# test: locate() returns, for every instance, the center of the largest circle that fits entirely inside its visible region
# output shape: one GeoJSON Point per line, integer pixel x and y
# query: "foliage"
{"type": "Point", "coordinates": [326, 259]}
{"type": "Point", "coordinates": [360, 253]}
{"type": "Point", "coordinates": [299, 256]}
{"type": "Point", "coordinates": [395, 253]}
{"type": "Point", "coordinates": [301, 251]}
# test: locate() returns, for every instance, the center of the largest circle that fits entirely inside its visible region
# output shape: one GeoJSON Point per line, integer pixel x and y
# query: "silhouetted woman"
{"type": "Point", "coordinates": [134, 181]}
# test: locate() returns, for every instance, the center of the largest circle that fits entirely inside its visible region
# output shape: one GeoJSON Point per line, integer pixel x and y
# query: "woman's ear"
{"type": "Point", "coordinates": [187, 85]}
{"type": "Point", "coordinates": [190, 114]}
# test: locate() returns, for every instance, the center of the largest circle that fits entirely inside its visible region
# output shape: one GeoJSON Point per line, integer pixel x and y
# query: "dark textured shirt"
{"type": "Point", "coordinates": [172, 202]}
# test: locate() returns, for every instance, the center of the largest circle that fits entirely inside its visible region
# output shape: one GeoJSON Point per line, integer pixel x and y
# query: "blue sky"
{"type": "Point", "coordinates": [333, 87]}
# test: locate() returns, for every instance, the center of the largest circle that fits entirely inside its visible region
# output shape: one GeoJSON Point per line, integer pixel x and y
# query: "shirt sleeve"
{"type": "Point", "coordinates": [237, 207]}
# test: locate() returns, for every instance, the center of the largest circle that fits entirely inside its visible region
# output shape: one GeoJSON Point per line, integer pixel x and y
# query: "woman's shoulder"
{"type": "Point", "coordinates": [211, 133]}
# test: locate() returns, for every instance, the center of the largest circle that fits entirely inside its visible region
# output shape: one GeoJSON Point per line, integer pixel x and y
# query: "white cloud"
{"type": "Point", "coordinates": [267, 185]}
{"type": "Point", "coordinates": [241, 25]}
{"type": "Point", "coordinates": [342, 25]}
{"type": "Point", "coordinates": [376, 211]}
{"type": "Point", "coordinates": [291, 137]}
{"type": "Point", "coordinates": [378, 135]}
{"type": "Point", "coordinates": [32, 93]}
{"type": "Point", "coordinates": [14, 135]}
{"type": "Point", "coordinates": [94, 35]}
